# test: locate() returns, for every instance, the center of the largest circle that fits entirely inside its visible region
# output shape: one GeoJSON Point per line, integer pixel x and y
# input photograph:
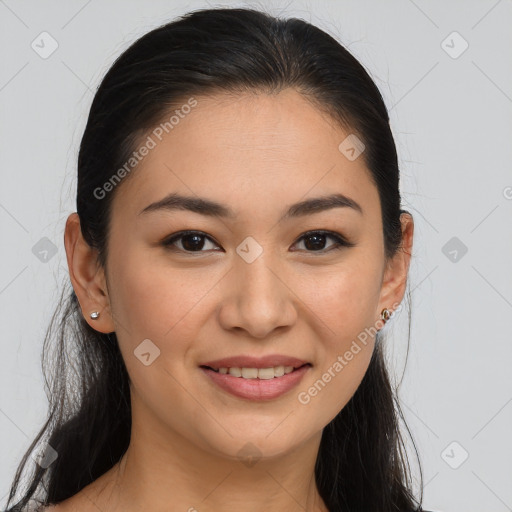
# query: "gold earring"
{"type": "Point", "coordinates": [385, 314]}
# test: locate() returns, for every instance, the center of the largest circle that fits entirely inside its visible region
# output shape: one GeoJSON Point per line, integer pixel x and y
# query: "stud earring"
{"type": "Point", "coordinates": [95, 314]}
{"type": "Point", "coordinates": [385, 314]}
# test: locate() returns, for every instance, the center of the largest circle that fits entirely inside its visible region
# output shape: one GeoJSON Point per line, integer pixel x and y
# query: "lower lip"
{"type": "Point", "coordinates": [257, 389]}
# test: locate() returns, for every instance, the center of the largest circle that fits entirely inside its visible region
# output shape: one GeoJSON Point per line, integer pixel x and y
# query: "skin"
{"type": "Point", "coordinates": [257, 154]}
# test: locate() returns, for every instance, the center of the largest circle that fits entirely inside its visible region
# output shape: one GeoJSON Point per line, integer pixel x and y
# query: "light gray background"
{"type": "Point", "coordinates": [452, 119]}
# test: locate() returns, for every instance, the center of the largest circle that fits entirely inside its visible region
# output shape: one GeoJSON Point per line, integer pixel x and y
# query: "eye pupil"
{"type": "Point", "coordinates": [319, 241]}
{"type": "Point", "coordinates": [192, 247]}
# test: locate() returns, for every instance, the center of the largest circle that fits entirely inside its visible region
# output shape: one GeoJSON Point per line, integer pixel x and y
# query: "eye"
{"type": "Point", "coordinates": [191, 241]}
{"type": "Point", "coordinates": [195, 241]}
{"type": "Point", "coordinates": [315, 240]}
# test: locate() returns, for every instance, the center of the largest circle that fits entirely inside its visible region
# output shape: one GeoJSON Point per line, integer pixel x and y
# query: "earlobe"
{"type": "Point", "coordinates": [87, 277]}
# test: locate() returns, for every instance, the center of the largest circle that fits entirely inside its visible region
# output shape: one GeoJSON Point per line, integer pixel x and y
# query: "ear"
{"type": "Point", "coordinates": [394, 281]}
{"type": "Point", "coordinates": [87, 277]}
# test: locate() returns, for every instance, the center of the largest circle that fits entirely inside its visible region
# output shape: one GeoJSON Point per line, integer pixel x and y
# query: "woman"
{"type": "Point", "coordinates": [238, 246]}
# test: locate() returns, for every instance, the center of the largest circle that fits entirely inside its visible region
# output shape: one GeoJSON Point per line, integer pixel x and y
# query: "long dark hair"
{"type": "Point", "coordinates": [362, 463]}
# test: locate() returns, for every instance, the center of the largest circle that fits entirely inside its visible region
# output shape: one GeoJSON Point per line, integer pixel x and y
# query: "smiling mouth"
{"type": "Point", "coordinates": [256, 373]}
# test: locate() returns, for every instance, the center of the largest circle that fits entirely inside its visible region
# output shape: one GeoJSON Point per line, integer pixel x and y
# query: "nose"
{"type": "Point", "coordinates": [257, 299]}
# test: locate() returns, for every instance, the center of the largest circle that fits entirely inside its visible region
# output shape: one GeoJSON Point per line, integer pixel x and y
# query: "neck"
{"type": "Point", "coordinates": [161, 468]}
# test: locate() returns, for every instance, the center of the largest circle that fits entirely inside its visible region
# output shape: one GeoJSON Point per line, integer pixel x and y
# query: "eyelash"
{"type": "Point", "coordinates": [340, 242]}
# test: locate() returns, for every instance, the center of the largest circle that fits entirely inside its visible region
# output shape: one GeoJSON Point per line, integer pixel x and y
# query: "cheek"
{"type": "Point", "coordinates": [164, 305]}
{"type": "Point", "coordinates": [154, 300]}
{"type": "Point", "coordinates": [345, 298]}
{"type": "Point", "coordinates": [344, 301]}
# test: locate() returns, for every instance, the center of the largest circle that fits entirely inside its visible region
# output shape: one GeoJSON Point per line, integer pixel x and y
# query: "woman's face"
{"type": "Point", "coordinates": [251, 284]}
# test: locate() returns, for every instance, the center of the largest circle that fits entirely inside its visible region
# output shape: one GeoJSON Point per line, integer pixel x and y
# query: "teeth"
{"type": "Point", "coordinates": [257, 373]}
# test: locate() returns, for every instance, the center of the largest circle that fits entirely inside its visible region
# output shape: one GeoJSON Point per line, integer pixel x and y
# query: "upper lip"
{"type": "Point", "coordinates": [268, 361]}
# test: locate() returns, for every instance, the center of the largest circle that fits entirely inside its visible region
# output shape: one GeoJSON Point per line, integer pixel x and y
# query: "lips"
{"type": "Point", "coordinates": [257, 389]}
{"type": "Point", "coordinates": [268, 361]}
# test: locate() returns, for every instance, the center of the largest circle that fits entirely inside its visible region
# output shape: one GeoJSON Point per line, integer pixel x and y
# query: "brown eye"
{"type": "Point", "coordinates": [195, 242]}
{"type": "Point", "coordinates": [315, 241]}
{"type": "Point", "coordinates": [190, 241]}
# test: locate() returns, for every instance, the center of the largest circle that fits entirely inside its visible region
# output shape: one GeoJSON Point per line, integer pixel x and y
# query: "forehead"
{"type": "Point", "coordinates": [250, 149]}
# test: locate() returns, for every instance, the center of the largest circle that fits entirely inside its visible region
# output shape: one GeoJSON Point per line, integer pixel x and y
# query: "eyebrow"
{"type": "Point", "coordinates": [211, 208]}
